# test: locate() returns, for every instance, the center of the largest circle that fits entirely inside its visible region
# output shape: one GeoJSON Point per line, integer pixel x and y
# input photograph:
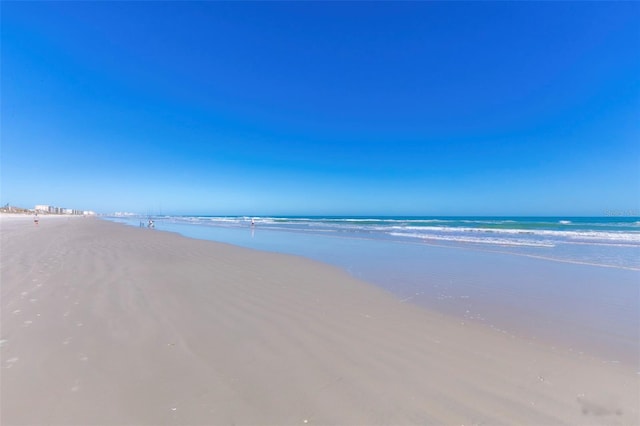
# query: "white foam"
{"type": "Point", "coordinates": [476, 240]}
{"type": "Point", "coordinates": [618, 236]}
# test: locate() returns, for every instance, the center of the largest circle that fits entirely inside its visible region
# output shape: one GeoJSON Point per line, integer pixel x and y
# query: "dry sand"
{"type": "Point", "coordinates": [108, 324]}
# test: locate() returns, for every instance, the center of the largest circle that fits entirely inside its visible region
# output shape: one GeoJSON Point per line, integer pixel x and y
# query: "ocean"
{"type": "Point", "coordinates": [567, 281]}
{"type": "Point", "coordinates": [603, 241]}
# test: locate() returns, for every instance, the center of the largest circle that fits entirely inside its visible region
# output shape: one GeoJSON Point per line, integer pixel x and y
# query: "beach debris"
{"type": "Point", "coordinates": [305, 421]}
{"type": "Point", "coordinates": [174, 408]}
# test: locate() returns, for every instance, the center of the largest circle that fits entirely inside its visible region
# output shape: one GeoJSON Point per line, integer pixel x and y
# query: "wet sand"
{"type": "Point", "coordinates": [108, 324]}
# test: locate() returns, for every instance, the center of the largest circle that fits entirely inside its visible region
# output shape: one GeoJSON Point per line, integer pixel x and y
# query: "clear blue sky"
{"type": "Point", "coordinates": [322, 108]}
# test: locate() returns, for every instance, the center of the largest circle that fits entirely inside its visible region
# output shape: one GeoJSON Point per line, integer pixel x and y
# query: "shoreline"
{"type": "Point", "coordinates": [125, 325]}
{"type": "Point", "coordinates": [550, 301]}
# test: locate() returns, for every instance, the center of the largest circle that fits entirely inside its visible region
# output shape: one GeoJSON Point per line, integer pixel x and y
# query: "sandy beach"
{"type": "Point", "coordinates": [107, 324]}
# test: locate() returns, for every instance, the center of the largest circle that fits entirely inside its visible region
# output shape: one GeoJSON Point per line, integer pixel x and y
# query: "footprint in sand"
{"type": "Point", "coordinates": [83, 358]}
{"type": "Point", "coordinates": [66, 341]}
{"type": "Point", "coordinates": [76, 386]}
{"type": "Point", "coordinates": [2, 342]}
{"type": "Point", "coordinates": [33, 300]}
{"type": "Point", "coordinates": [66, 314]}
{"type": "Point", "coordinates": [17, 311]}
{"type": "Point", "coordinates": [24, 294]}
{"type": "Point", "coordinates": [79, 324]}
{"type": "Point", "coordinates": [28, 323]}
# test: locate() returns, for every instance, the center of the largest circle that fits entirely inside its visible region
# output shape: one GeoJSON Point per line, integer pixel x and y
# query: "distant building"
{"type": "Point", "coordinates": [44, 208]}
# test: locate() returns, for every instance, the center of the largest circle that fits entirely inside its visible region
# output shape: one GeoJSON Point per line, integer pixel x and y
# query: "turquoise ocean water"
{"type": "Point", "coordinates": [566, 281]}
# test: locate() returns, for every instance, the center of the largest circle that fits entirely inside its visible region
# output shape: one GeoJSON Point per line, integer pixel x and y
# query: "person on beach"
{"type": "Point", "coordinates": [35, 219]}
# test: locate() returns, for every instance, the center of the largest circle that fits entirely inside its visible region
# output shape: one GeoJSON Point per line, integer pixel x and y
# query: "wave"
{"type": "Point", "coordinates": [475, 240]}
{"type": "Point", "coordinates": [463, 230]}
{"type": "Point", "coordinates": [631, 237]}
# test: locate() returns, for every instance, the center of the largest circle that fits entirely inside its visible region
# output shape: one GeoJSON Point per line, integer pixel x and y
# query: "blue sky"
{"type": "Point", "coordinates": [322, 108]}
